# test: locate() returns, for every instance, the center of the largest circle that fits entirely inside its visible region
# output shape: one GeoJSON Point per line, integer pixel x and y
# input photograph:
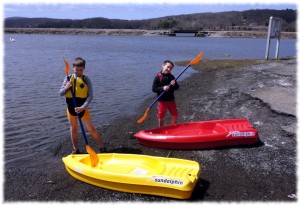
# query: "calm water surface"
{"type": "Point", "coordinates": [121, 69]}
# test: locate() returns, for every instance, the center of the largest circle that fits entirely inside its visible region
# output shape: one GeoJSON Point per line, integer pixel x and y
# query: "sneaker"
{"type": "Point", "coordinates": [76, 151]}
{"type": "Point", "coordinates": [103, 149]}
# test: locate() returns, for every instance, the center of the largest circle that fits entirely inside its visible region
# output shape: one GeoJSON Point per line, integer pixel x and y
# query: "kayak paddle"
{"type": "Point", "coordinates": [93, 156]}
{"type": "Point", "coordinates": [194, 61]}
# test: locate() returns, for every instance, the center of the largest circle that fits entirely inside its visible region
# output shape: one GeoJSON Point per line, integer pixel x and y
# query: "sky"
{"type": "Point", "coordinates": [131, 9]}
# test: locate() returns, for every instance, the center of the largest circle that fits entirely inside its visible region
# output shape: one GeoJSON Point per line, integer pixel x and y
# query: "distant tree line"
{"type": "Point", "coordinates": [233, 20]}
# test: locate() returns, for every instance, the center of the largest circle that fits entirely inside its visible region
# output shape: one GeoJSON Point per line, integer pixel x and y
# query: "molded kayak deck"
{"type": "Point", "coordinates": [200, 135]}
{"type": "Point", "coordinates": [169, 177]}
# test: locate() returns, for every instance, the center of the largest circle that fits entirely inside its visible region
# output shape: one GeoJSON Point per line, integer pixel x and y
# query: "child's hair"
{"type": "Point", "coordinates": [79, 62]}
{"type": "Point", "coordinates": [168, 61]}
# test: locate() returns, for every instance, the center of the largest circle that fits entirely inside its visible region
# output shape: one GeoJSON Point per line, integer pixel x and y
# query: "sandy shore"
{"type": "Point", "coordinates": [137, 32]}
{"type": "Point", "coordinates": [263, 92]}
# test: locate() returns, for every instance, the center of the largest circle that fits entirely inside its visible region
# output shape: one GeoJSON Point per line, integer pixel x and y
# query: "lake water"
{"type": "Point", "coordinates": [121, 69]}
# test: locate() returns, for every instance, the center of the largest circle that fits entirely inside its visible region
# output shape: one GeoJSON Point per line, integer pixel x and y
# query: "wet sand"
{"type": "Point", "coordinates": [264, 92]}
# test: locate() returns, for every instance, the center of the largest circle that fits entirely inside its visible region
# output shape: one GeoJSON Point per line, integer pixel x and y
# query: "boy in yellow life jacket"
{"type": "Point", "coordinates": [83, 92]}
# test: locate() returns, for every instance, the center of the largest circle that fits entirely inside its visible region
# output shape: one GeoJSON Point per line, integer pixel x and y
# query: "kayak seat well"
{"type": "Point", "coordinates": [151, 167]}
{"type": "Point", "coordinates": [219, 128]}
{"type": "Point", "coordinates": [133, 165]}
{"type": "Point", "coordinates": [193, 129]}
{"type": "Point", "coordinates": [211, 128]}
{"type": "Point", "coordinates": [126, 164]}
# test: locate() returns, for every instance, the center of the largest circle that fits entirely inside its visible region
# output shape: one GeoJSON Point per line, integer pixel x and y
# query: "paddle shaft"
{"type": "Point", "coordinates": [79, 119]}
{"type": "Point", "coordinates": [169, 86]}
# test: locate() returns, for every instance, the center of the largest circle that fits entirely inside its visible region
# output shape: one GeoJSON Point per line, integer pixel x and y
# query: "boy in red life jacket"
{"type": "Point", "coordinates": [83, 92]}
{"type": "Point", "coordinates": [161, 83]}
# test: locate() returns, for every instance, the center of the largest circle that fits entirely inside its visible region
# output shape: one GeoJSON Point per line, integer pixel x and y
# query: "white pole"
{"type": "Point", "coordinates": [278, 39]}
{"type": "Point", "coordinates": [277, 48]}
{"type": "Point", "coordinates": [268, 39]}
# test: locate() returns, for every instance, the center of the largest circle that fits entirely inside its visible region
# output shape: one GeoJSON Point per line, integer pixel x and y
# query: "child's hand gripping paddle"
{"type": "Point", "coordinates": [194, 61]}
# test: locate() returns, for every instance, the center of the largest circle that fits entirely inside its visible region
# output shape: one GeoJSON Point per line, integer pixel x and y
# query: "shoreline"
{"type": "Point", "coordinates": [265, 171]}
{"type": "Point", "coordinates": [139, 32]}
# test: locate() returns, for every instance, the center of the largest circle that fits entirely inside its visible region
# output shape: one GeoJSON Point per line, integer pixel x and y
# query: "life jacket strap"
{"type": "Point", "coordinates": [160, 76]}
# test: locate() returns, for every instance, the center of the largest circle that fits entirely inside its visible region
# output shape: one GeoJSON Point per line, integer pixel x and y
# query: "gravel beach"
{"type": "Point", "coordinates": [264, 92]}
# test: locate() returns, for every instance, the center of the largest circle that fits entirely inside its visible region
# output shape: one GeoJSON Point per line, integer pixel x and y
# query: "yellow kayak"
{"type": "Point", "coordinates": [169, 177]}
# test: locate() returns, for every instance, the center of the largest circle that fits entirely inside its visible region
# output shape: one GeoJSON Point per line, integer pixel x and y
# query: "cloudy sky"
{"type": "Point", "coordinates": [131, 9]}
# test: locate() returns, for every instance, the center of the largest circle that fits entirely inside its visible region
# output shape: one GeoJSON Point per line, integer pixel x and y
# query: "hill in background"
{"type": "Point", "coordinates": [232, 20]}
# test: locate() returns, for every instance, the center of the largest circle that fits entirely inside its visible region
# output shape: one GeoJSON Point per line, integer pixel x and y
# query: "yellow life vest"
{"type": "Point", "coordinates": [80, 88]}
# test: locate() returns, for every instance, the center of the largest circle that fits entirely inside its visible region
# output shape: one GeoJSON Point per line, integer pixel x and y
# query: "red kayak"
{"type": "Point", "coordinates": [200, 135]}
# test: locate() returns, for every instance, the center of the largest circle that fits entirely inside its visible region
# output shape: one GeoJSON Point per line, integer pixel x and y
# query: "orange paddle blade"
{"type": "Point", "coordinates": [144, 117]}
{"type": "Point", "coordinates": [93, 156]}
{"type": "Point", "coordinates": [197, 59]}
{"type": "Point", "coordinates": [67, 67]}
